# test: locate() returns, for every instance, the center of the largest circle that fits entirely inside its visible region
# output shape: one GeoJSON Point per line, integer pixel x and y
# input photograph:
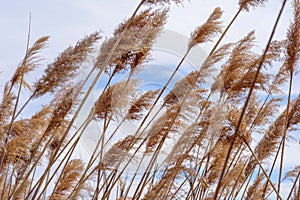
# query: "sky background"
{"type": "Point", "coordinates": [67, 21]}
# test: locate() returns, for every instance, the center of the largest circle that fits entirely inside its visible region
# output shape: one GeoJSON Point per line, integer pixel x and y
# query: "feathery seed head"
{"type": "Point", "coordinates": [247, 4]}
{"type": "Point", "coordinates": [115, 100]}
{"type": "Point", "coordinates": [66, 66]}
{"type": "Point", "coordinates": [141, 104]}
{"type": "Point", "coordinates": [135, 42]}
{"type": "Point", "coordinates": [205, 32]}
{"type": "Point", "coordinates": [162, 2]}
{"type": "Point", "coordinates": [30, 62]}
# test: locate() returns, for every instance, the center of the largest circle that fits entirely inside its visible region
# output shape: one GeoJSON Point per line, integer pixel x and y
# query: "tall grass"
{"type": "Point", "coordinates": [215, 154]}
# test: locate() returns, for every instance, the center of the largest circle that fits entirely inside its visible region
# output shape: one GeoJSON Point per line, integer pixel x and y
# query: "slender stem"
{"type": "Point", "coordinates": [285, 130]}
{"type": "Point", "coordinates": [248, 182]}
{"type": "Point", "coordinates": [152, 107]}
{"type": "Point", "coordinates": [293, 187]}
{"type": "Point", "coordinates": [248, 99]}
{"type": "Point", "coordinates": [261, 167]}
{"type": "Point", "coordinates": [102, 68]}
{"type": "Point", "coordinates": [18, 95]}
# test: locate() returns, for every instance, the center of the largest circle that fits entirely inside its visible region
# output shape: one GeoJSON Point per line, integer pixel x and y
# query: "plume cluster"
{"type": "Point", "coordinates": [217, 133]}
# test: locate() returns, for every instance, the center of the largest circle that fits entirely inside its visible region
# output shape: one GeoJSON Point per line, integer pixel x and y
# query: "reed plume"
{"type": "Point", "coordinates": [134, 47]}
{"type": "Point", "coordinates": [247, 4]}
{"type": "Point", "coordinates": [162, 2]}
{"type": "Point", "coordinates": [143, 103]}
{"type": "Point", "coordinates": [6, 107]}
{"type": "Point", "coordinates": [213, 127]}
{"type": "Point", "coordinates": [255, 191]}
{"type": "Point", "coordinates": [269, 143]}
{"type": "Point", "coordinates": [68, 180]}
{"type": "Point", "coordinates": [120, 150]}
{"type": "Point", "coordinates": [62, 106]}
{"type": "Point", "coordinates": [210, 28]}
{"type": "Point", "coordinates": [293, 40]}
{"type": "Point", "coordinates": [292, 174]}
{"type": "Point", "coordinates": [30, 62]}
{"type": "Point", "coordinates": [169, 122]}
{"type": "Point", "coordinates": [66, 66]}
{"type": "Point", "coordinates": [115, 100]}
{"type": "Point", "coordinates": [183, 87]}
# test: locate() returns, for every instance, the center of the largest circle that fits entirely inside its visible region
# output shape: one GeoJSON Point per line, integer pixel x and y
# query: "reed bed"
{"type": "Point", "coordinates": [225, 140]}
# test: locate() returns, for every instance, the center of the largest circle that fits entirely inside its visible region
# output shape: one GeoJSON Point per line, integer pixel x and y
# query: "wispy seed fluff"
{"type": "Point", "coordinates": [118, 152]}
{"type": "Point", "coordinates": [247, 4]}
{"type": "Point", "coordinates": [135, 44]}
{"type": "Point", "coordinates": [182, 88]}
{"type": "Point", "coordinates": [68, 180]}
{"type": "Point", "coordinates": [143, 103]}
{"type": "Point", "coordinates": [205, 32]}
{"type": "Point", "coordinates": [30, 62]}
{"type": "Point", "coordinates": [293, 40]}
{"type": "Point", "coordinates": [66, 66]}
{"type": "Point", "coordinates": [162, 2]}
{"type": "Point", "coordinates": [115, 100]}
{"type": "Point", "coordinates": [6, 106]}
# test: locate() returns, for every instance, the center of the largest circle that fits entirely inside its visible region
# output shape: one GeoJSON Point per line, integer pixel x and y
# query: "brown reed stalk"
{"type": "Point", "coordinates": [7, 134]}
{"type": "Point", "coordinates": [292, 57]}
{"type": "Point", "coordinates": [268, 144]}
{"type": "Point", "coordinates": [65, 159]}
{"type": "Point", "coordinates": [62, 105]}
{"type": "Point", "coordinates": [226, 29]}
{"type": "Point", "coordinates": [248, 96]}
{"type": "Point", "coordinates": [180, 160]}
{"type": "Point", "coordinates": [293, 174]}
{"type": "Point", "coordinates": [223, 34]}
{"type": "Point", "coordinates": [205, 30]}
{"type": "Point", "coordinates": [158, 19]}
{"type": "Point", "coordinates": [254, 190]}
{"type": "Point", "coordinates": [218, 55]}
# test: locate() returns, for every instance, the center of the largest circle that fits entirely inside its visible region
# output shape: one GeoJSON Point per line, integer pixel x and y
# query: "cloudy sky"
{"type": "Point", "coordinates": [66, 21]}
